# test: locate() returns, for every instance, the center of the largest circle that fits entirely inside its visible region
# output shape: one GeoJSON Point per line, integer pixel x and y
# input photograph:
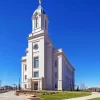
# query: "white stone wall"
{"type": "Point", "coordinates": [54, 70]}
{"type": "Point", "coordinates": [23, 74]}
{"type": "Point", "coordinates": [37, 53]}
{"type": "Point", "coordinates": [67, 75]}
{"type": "Point", "coordinates": [49, 68]}
{"type": "Point", "coordinates": [41, 58]}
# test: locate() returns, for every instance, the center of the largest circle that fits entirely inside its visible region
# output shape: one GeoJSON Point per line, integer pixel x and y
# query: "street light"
{"type": "Point", "coordinates": [14, 86]}
{"type": "Point", "coordinates": [19, 84]}
{"type": "Point", "coordinates": [0, 84]}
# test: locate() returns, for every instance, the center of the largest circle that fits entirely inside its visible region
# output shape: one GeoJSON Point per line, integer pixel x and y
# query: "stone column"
{"type": "Point", "coordinates": [40, 84]}
{"type": "Point", "coordinates": [60, 64]}
{"type": "Point", "coordinates": [29, 84]}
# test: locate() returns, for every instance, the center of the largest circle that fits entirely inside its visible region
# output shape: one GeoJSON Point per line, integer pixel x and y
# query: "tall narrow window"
{"type": "Point", "coordinates": [36, 74]}
{"type": "Point", "coordinates": [45, 24]}
{"type": "Point", "coordinates": [55, 86]}
{"type": "Point", "coordinates": [56, 63]}
{"type": "Point", "coordinates": [36, 22]}
{"type": "Point", "coordinates": [25, 77]}
{"type": "Point", "coordinates": [36, 62]}
{"type": "Point", "coordinates": [56, 75]}
{"type": "Point", "coordinates": [25, 67]}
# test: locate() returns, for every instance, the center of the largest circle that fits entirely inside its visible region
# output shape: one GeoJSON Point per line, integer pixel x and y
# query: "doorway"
{"type": "Point", "coordinates": [36, 86]}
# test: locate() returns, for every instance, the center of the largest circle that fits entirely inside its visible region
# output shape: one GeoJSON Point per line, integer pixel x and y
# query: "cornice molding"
{"type": "Point", "coordinates": [62, 53]}
{"type": "Point", "coordinates": [35, 36]}
{"type": "Point", "coordinates": [49, 46]}
{"type": "Point", "coordinates": [23, 60]}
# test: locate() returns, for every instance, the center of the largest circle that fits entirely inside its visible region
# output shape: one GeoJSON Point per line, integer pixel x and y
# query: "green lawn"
{"type": "Point", "coordinates": [95, 99]}
{"type": "Point", "coordinates": [64, 95]}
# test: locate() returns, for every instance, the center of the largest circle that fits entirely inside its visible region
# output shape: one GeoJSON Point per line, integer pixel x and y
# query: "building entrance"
{"type": "Point", "coordinates": [36, 86]}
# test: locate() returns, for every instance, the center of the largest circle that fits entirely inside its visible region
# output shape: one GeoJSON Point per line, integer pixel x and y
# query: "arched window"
{"type": "Point", "coordinates": [36, 24]}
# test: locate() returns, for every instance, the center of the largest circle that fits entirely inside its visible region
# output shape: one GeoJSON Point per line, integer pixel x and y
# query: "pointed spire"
{"type": "Point", "coordinates": [40, 2]}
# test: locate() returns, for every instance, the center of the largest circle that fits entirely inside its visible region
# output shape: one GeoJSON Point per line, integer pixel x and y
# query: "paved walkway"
{"type": "Point", "coordinates": [94, 95]}
{"type": "Point", "coordinates": [11, 96]}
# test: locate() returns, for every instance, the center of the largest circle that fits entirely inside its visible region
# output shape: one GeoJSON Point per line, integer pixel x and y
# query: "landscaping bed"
{"type": "Point", "coordinates": [54, 95]}
{"type": "Point", "coordinates": [64, 95]}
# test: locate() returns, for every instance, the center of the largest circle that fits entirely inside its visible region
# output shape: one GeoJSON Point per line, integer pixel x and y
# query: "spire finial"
{"type": "Point", "coordinates": [40, 2]}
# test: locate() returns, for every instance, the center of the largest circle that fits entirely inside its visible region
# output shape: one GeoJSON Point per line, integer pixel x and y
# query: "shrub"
{"type": "Point", "coordinates": [17, 94]}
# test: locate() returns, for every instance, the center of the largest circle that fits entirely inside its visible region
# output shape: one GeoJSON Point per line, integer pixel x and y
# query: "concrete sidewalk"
{"type": "Point", "coordinates": [11, 96]}
{"type": "Point", "coordinates": [94, 95]}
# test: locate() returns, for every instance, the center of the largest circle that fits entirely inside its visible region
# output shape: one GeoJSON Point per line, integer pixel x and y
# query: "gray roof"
{"type": "Point", "coordinates": [39, 10]}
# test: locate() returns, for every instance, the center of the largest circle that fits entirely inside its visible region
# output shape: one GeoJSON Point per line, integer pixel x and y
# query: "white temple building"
{"type": "Point", "coordinates": [44, 67]}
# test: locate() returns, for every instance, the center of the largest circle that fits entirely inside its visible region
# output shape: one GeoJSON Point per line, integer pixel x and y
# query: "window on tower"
{"type": "Point", "coordinates": [25, 77]}
{"type": "Point", "coordinates": [36, 74]}
{"type": "Point", "coordinates": [56, 63]}
{"type": "Point", "coordinates": [36, 62]}
{"type": "Point", "coordinates": [25, 67]}
{"type": "Point", "coordinates": [36, 22]}
{"type": "Point", "coordinates": [55, 74]}
{"type": "Point", "coordinates": [45, 24]}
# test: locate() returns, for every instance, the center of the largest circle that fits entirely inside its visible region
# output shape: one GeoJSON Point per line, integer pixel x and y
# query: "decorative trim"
{"type": "Point", "coordinates": [23, 60]}
{"type": "Point", "coordinates": [35, 36]}
{"type": "Point", "coordinates": [62, 53]}
{"type": "Point", "coordinates": [37, 28]}
{"type": "Point", "coordinates": [49, 46]}
{"type": "Point", "coordinates": [35, 41]}
{"type": "Point", "coordinates": [35, 79]}
{"type": "Point", "coordinates": [23, 82]}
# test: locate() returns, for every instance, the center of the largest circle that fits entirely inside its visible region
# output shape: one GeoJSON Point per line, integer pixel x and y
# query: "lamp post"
{"type": "Point", "coordinates": [0, 84]}
{"type": "Point", "coordinates": [13, 86]}
{"type": "Point", "coordinates": [19, 84]}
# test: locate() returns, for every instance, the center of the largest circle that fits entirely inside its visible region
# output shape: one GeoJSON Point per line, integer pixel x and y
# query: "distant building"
{"type": "Point", "coordinates": [7, 87]}
{"type": "Point", "coordinates": [94, 89]}
{"type": "Point", "coordinates": [44, 67]}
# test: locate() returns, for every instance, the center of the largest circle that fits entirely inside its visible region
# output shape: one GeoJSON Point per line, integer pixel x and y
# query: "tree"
{"type": "Point", "coordinates": [16, 87]}
{"type": "Point", "coordinates": [19, 87]}
{"type": "Point", "coordinates": [71, 87]}
{"type": "Point", "coordinates": [82, 87]}
{"type": "Point", "coordinates": [77, 88]}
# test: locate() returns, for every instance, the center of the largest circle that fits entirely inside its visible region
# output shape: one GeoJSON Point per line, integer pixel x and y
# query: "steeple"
{"type": "Point", "coordinates": [40, 2]}
{"type": "Point", "coordinates": [39, 20]}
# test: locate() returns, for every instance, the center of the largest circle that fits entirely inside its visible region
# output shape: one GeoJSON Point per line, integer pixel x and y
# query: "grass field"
{"type": "Point", "coordinates": [64, 95]}
{"type": "Point", "coordinates": [95, 99]}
